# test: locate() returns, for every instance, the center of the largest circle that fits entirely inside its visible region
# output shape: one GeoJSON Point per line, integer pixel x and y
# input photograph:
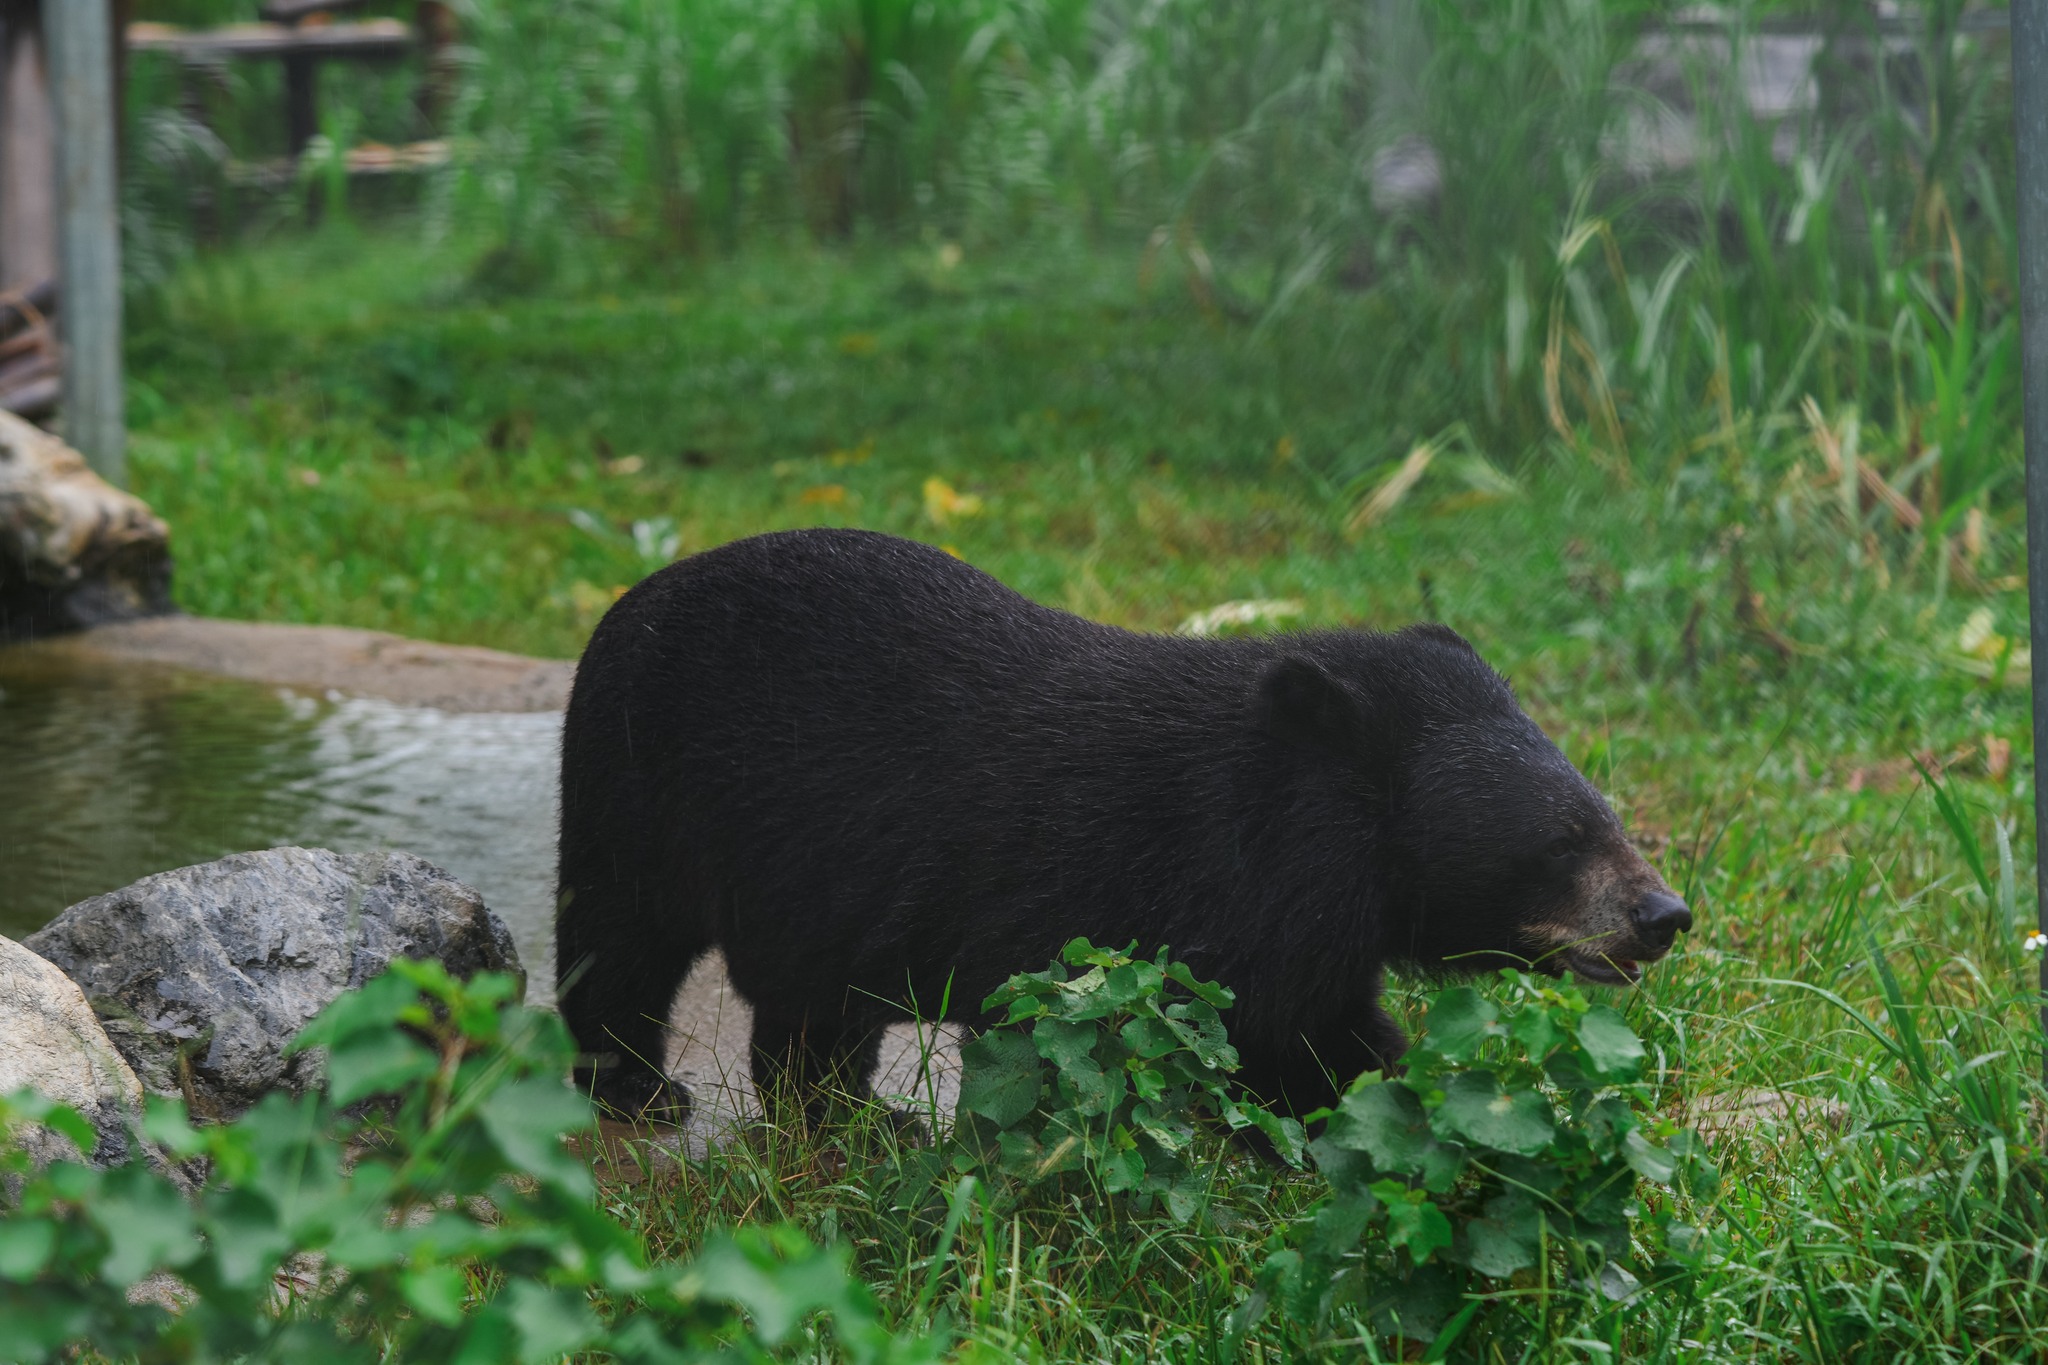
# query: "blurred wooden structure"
{"type": "Point", "coordinates": [302, 34]}
{"type": "Point", "coordinates": [60, 219]}
{"type": "Point", "coordinates": [28, 215]}
{"type": "Point", "coordinates": [61, 64]}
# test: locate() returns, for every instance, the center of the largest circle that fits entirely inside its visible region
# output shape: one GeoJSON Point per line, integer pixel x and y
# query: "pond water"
{"type": "Point", "coordinates": [109, 772]}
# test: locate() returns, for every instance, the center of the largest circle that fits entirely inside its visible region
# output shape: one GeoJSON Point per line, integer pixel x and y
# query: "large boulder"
{"type": "Point", "coordinates": [74, 550]}
{"type": "Point", "coordinates": [50, 1042]}
{"type": "Point", "coordinates": [202, 975]}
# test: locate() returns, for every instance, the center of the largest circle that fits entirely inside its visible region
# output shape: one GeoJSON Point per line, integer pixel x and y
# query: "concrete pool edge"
{"type": "Point", "coordinates": [361, 663]}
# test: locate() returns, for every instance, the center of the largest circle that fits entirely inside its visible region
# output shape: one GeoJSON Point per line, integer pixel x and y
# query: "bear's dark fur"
{"type": "Point", "coordinates": [872, 774]}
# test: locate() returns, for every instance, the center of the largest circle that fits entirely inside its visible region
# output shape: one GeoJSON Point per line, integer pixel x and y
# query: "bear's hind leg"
{"type": "Point", "coordinates": [616, 1000]}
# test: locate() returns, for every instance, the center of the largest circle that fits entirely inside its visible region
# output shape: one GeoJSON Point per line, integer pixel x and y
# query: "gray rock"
{"type": "Point", "coordinates": [202, 975]}
{"type": "Point", "coordinates": [51, 1043]}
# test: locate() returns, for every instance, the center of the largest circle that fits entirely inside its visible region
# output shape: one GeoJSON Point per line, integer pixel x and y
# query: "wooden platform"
{"type": "Point", "coordinates": [362, 40]}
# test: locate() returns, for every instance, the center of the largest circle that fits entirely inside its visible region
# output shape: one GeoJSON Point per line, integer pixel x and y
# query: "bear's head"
{"type": "Point", "coordinates": [1494, 850]}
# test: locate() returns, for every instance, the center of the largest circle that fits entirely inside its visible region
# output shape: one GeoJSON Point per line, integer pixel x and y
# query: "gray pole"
{"type": "Point", "coordinates": [2030, 129]}
{"type": "Point", "coordinates": [81, 55]}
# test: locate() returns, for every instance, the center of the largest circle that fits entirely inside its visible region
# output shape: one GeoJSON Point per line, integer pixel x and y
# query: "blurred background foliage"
{"type": "Point", "coordinates": [1602, 222]}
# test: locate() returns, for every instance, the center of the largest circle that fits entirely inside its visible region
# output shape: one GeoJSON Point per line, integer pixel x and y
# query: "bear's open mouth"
{"type": "Point", "coordinates": [1608, 969]}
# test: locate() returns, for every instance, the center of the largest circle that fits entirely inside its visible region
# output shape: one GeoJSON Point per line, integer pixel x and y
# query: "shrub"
{"type": "Point", "coordinates": [1117, 1067]}
{"type": "Point", "coordinates": [1507, 1154]}
{"type": "Point", "coordinates": [423, 1208]}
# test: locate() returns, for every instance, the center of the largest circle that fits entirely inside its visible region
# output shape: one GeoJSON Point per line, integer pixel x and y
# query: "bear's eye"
{"type": "Point", "coordinates": [1559, 850]}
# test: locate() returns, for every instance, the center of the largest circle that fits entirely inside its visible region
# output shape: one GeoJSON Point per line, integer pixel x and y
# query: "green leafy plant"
{"type": "Point", "coordinates": [1508, 1153]}
{"type": "Point", "coordinates": [1108, 1072]}
{"type": "Point", "coordinates": [424, 1207]}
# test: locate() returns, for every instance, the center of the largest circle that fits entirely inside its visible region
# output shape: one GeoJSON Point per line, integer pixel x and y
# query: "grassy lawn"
{"type": "Point", "coordinates": [1743, 651]}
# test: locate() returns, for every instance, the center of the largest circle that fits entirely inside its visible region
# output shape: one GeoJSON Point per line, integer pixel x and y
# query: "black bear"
{"type": "Point", "coordinates": [874, 775]}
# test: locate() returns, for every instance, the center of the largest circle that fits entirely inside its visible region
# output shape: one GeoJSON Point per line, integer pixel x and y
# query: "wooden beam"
{"type": "Point", "coordinates": [370, 40]}
{"type": "Point", "coordinates": [81, 53]}
{"type": "Point", "coordinates": [292, 11]}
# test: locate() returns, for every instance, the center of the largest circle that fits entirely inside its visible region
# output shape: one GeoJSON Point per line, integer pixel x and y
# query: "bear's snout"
{"type": "Point", "coordinates": [1661, 917]}
{"type": "Point", "coordinates": [1620, 918]}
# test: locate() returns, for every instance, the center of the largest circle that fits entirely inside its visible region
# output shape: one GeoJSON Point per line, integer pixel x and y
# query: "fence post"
{"type": "Point", "coordinates": [80, 39]}
{"type": "Point", "coordinates": [2030, 131]}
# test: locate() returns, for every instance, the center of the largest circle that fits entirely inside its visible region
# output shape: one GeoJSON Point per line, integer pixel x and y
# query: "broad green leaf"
{"type": "Point", "coordinates": [1127, 981]}
{"type": "Point", "coordinates": [1065, 1043]}
{"type": "Point", "coordinates": [1079, 952]}
{"type": "Point", "coordinates": [1418, 1306]}
{"type": "Point", "coordinates": [42, 1333]}
{"type": "Point", "coordinates": [1696, 1168]}
{"type": "Point", "coordinates": [1611, 1045]}
{"type": "Point", "coordinates": [1122, 1171]}
{"type": "Point", "coordinates": [373, 1008]}
{"type": "Point", "coordinates": [1284, 1133]}
{"type": "Point", "coordinates": [1199, 1027]}
{"type": "Point", "coordinates": [1149, 1037]}
{"type": "Point", "coordinates": [778, 1277]}
{"type": "Point", "coordinates": [147, 1222]}
{"type": "Point", "coordinates": [1029, 1158]}
{"type": "Point", "coordinates": [367, 1064]}
{"type": "Point", "coordinates": [479, 1007]}
{"type": "Point", "coordinates": [1090, 1089]}
{"type": "Point", "coordinates": [1607, 1120]}
{"type": "Point", "coordinates": [1084, 998]}
{"type": "Point", "coordinates": [1218, 996]}
{"type": "Point", "coordinates": [1385, 1121]}
{"type": "Point", "coordinates": [1460, 1020]}
{"type": "Point", "coordinates": [1617, 1284]}
{"type": "Point", "coordinates": [1340, 1222]}
{"type": "Point", "coordinates": [25, 1246]}
{"type": "Point", "coordinates": [1647, 1159]}
{"type": "Point", "coordinates": [552, 1322]}
{"type": "Point", "coordinates": [1184, 1197]}
{"type": "Point", "coordinates": [1167, 1127]}
{"type": "Point", "coordinates": [1506, 1239]}
{"type": "Point", "coordinates": [247, 1242]}
{"type": "Point", "coordinates": [1001, 1077]}
{"type": "Point", "coordinates": [490, 1338]}
{"type": "Point", "coordinates": [528, 1119]}
{"type": "Point", "coordinates": [165, 1123]}
{"type": "Point", "coordinates": [1413, 1221]}
{"type": "Point", "coordinates": [1533, 1028]}
{"type": "Point", "coordinates": [1478, 1110]}
{"type": "Point", "coordinates": [435, 1292]}
{"type": "Point", "coordinates": [28, 1106]}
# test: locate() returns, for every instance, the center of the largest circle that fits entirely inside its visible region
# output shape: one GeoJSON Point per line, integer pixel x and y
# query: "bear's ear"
{"type": "Point", "coordinates": [1297, 701]}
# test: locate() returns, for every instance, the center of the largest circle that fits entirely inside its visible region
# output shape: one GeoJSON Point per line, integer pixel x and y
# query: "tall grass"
{"type": "Point", "coordinates": [1565, 287]}
{"type": "Point", "coordinates": [1568, 286]}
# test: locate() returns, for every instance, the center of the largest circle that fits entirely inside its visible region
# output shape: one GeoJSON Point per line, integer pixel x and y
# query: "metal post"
{"type": "Point", "coordinates": [81, 55]}
{"type": "Point", "coordinates": [2030, 129]}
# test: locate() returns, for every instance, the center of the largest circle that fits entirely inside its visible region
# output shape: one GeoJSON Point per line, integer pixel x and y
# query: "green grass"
{"type": "Point", "coordinates": [1742, 656]}
{"type": "Point", "coordinates": [1110, 271]}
